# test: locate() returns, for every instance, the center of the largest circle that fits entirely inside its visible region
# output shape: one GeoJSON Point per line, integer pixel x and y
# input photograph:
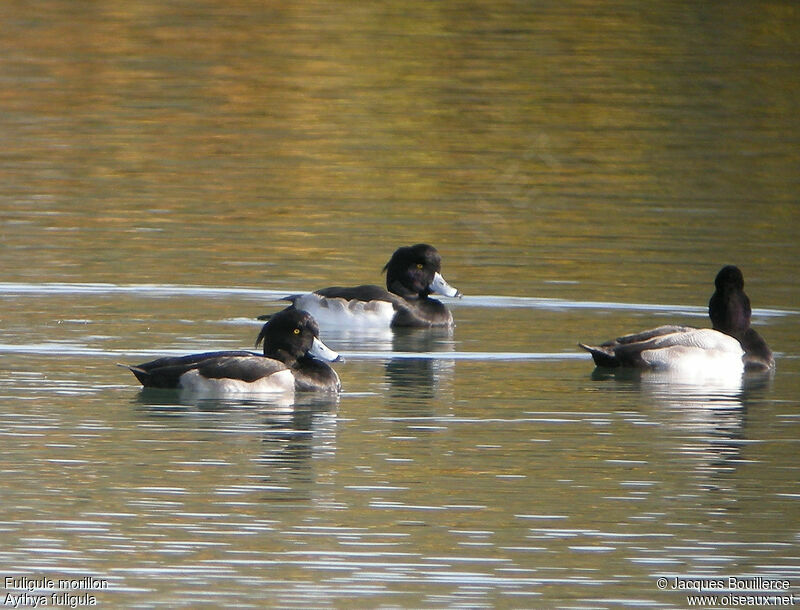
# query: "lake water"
{"type": "Point", "coordinates": [172, 169]}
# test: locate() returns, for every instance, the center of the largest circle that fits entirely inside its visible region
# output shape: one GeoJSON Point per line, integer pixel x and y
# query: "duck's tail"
{"type": "Point", "coordinates": [601, 356]}
{"type": "Point", "coordinates": [140, 373]}
{"type": "Point", "coordinates": [291, 298]}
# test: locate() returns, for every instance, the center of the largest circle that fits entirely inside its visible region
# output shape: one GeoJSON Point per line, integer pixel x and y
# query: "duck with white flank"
{"type": "Point", "coordinates": [412, 274]}
{"type": "Point", "coordinates": [731, 345]}
{"type": "Point", "coordinates": [294, 359]}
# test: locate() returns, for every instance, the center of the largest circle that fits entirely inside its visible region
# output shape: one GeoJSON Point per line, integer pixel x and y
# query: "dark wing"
{"type": "Point", "coordinates": [166, 372]}
{"type": "Point", "coordinates": [366, 292]}
{"type": "Point", "coordinates": [245, 368]}
{"type": "Point", "coordinates": [646, 335]}
{"type": "Point", "coordinates": [627, 350]}
{"type": "Point", "coordinates": [619, 354]}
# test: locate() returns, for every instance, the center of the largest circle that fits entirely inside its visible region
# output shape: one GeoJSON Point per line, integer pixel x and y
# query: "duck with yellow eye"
{"type": "Point", "coordinates": [294, 359]}
{"type": "Point", "coordinates": [413, 273]}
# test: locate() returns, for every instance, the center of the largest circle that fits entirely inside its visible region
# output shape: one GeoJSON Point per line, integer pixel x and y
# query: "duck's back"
{"type": "Point", "coordinates": [701, 349]}
{"type": "Point", "coordinates": [166, 372]}
{"type": "Point", "coordinates": [710, 341]}
{"type": "Point", "coordinates": [365, 292]}
{"type": "Point", "coordinates": [223, 372]}
{"type": "Point", "coordinates": [670, 347]}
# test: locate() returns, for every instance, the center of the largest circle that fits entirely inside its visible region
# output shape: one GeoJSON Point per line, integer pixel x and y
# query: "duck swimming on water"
{"type": "Point", "coordinates": [413, 273]}
{"type": "Point", "coordinates": [731, 345]}
{"type": "Point", "coordinates": [294, 359]}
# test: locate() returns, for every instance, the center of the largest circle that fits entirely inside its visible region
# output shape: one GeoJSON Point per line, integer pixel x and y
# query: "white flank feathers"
{"type": "Point", "coordinates": [281, 381]}
{"type": "Point", "coordinates": [702, 354]}
{"type": "Point", "coordinates": [339, 313]}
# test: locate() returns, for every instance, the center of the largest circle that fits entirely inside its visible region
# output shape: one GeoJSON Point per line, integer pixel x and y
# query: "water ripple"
{"type": "Point", "coordinates": [261, 295]}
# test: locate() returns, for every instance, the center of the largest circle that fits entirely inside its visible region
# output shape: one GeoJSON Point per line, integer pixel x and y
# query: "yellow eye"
{"type": "Point", "coordinates": [296, 331]}
{"type": "Point", "coordinates": [420, 265]}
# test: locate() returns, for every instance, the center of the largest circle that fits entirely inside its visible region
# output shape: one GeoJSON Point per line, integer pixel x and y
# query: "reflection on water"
{"type": "Point", "coordinates": [167, 401]}
{"type": "Point", "coordinates": [446, 473]}
{"type": "Point", "coordinates": [294, 431]}
{"type": "Point", "coordinates": [706, 422]}
{"type": "Point", "coordinates": [420, 378]}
